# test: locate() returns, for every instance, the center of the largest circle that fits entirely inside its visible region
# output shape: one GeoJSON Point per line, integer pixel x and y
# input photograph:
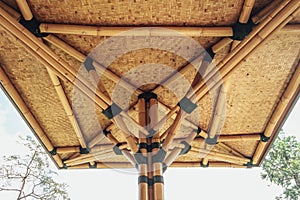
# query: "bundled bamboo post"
{"type": "Point", "coordinates": [143, 167]}
{"type": "Point", "coordinates": [13, 93]}
{"type": "Point", "coordinates": [115, 31]}
{"type": "Point", "coordinates": [286, 99]}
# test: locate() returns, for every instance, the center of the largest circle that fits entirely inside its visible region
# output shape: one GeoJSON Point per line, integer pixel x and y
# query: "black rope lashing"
{"type": "Point", "coordinates": [187, 105]}
{"type": "Point", "coordinates": [241, 30]}
{"type": "Point", "coordinates": [33, 26]}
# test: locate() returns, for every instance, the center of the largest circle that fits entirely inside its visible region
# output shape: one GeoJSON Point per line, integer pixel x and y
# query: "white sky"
{"type": "Point", "coordinates": [190, 183]}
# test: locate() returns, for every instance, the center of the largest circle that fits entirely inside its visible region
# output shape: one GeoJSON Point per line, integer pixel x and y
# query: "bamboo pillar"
{"type": "Point", "coordinates": [143, 168]}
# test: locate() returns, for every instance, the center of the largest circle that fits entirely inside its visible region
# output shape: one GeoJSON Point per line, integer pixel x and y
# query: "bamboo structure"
{"type": "Point", "coordinates": [8, 86]}
{"type": "Point", "coordinates": [286, 99]}
{"type": "Point", "coordinates": [115, 31]}
{"type": "Point", "coordinates": [241, 88]}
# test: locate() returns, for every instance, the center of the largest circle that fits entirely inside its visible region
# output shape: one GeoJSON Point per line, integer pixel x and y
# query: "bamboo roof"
{"type": "Point", "coordinates": [256, 77]}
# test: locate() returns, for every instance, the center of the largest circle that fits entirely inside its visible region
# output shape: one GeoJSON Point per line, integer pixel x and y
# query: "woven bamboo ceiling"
{"type": "Point", "coordinates": [248, 78]}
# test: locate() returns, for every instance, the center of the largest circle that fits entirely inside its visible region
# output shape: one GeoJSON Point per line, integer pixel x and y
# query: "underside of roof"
{"type": "Point", "coordinates": [247, 77]}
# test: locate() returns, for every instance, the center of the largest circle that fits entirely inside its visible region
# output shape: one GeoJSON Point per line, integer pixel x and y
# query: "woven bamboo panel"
{"type": "Point", "coordinates": [116, 12]}
{"type": "Point", "coordinates": [32, 81]}
{"type": "Point", "coordinates": [258, 83]}
{"type": "Point", "coordinates": [245, 148]}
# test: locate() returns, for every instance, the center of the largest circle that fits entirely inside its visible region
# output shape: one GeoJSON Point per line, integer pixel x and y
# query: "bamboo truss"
{"type": "Point", "coordinates": [150, 150]}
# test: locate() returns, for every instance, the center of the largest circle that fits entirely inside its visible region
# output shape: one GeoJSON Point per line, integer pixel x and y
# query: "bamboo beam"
{"type": "Point", "coordinates": [264, 12]}
{"type": "Point", "coordinates": [246, 11]}
{"type": "Point", "coordinates": [61, 150]}
{"type": "Point", "coordinates": [25, 10]}
{"type": "Point", "coordinates": [133, 31]}
{"type": "Point", "coordinates": [211, 164]}
{"type": "Point", "coordinates": [281, 109]}
{"type": "Point", "coordinates": [10, 10]}
{"type": "Point", "coordinates": [66, 105]}
{"type": "Point", "coordinates": [214, 155]}
{"type": "Point", "coordinates": [13, 93]}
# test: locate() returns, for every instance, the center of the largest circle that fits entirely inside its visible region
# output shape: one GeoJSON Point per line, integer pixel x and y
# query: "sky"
{"type": "Point", "coordinates": [188, 183]}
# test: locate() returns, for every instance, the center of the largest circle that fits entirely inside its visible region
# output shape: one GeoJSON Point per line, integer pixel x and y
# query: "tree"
{"type": "Point", "coordinates": [29, 176]}
{"type": "Point", "coordinates": [282, 166]}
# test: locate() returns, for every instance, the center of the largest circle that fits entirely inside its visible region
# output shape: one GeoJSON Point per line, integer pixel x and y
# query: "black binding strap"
{"type": "Point", "coordinates": [186, 105]}
{"type": "Point", "coordinates": [147, 96]}
{"type": "Point", "coordinates": [264, 138]}
{"type": "Point", "coordinates": [204, 166]}
{"type": "Point", "coordinates": [186, 149]}
{"type": "Point", "coordinates": [117, 150]}
{"type": "Point", "coordinates": [250, 163]}
{"type": "Point", "coordinates": [241, 30]}
{"type": "Point", "coordinates": [88, 64]}
{"type": "Point", "coordinates": [105, 132]}
{"type": "Point", "coordinates": [198, 131]}
{"type": "Point", "coordinates": [211, 141]}
{"type": "Point", "coordinates": [151, 182]}
{"type": "Point", "coordinates": [53, 152]}
{"type": "Point", "coordinates": [94, 166]}
{"type": "Point", "coordinates": [33, 26]}
{"type": "Point", "coordinates": [209, 55]}
{"type": "Point", "coordinates": [158, 179]}
{"type": "Point", "coordinates": [112, 111]}
{"type": "Point", "coordinates": [143, 179]}
{"type": "Point", "coordinates": [84, 150]}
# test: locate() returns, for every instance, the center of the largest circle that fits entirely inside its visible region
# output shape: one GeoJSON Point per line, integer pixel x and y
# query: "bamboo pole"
{"type": "Point", "coordinates": [175, 152]}
{"type": "Point", "coordinates": [211, 164]}
{"type": "Point", "coordinates": [60, 150]}
{"type": "Point", "coordinates": [10, 10]}
{"type": "Point", "coordinates": [264, 12]}
{"type": "Point", "coordinates": [133, 31]}
{"type": "Point", "coordinates": [120, 165]}
{"type": "Point", "coordinates": [174, 128]}
{"type": "Point", "coordinates": [279, 112]}
{"type": "Point", "coordinates": [67, 107]}
{"type": "Point", "coordinates": [25, 10]}
{"type": "Point", "coordinates": [246, 11]}
{"type": "Point", "coordinates": [214, 155]}
{"type": "Point", "coordinates": [13, 93]}
{"type": "Point", "coordinates": [143, 168]}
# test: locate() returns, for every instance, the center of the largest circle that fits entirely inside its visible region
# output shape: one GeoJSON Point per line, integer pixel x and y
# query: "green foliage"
{"type": "Point", "coordinates": [282, 166]}
{"type": "Point", "coordinates": [29, 176]}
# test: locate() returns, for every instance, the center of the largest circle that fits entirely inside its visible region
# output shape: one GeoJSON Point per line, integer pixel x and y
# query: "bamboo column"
{"type": "Point", "coordinates": [143, 168]}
